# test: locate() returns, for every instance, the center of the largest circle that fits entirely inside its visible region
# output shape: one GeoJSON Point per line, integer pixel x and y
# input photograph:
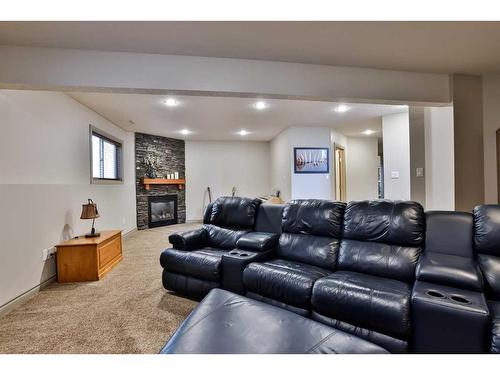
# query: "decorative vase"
{"type": "Point", "coordinates": [150, 172]}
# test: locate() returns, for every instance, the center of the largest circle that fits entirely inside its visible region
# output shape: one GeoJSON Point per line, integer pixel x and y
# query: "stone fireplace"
{"type": "Point", "coordinates": [161, 204]}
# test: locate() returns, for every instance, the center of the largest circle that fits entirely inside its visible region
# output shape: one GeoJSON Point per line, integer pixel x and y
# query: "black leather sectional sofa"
{"type": "Point", "coordinates": [319, 276]}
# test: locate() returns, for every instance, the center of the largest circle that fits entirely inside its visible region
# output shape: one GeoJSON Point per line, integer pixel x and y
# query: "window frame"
{"type": "Point", "coordinates": [119, 147]}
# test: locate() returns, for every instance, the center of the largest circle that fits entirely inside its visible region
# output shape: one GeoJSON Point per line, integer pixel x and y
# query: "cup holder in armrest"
{"type": "Point", "coordinates": [239, 254]}
{"type": "Point", "coordinates": [460, 299]}
{"type": "Point", "coordinates": [435, 294]}
{"type": "Point", "coordinates": [453, 297]}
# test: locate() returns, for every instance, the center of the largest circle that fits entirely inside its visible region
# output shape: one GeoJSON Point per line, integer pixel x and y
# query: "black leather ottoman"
{"type": "Point", "coordinates": [225, 323]}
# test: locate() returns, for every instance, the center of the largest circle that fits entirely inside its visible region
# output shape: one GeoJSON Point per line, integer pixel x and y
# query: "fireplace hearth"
{"type": "Point", "coordinates": [162, 210]}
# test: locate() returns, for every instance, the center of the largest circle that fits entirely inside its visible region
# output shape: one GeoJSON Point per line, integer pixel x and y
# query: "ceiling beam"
{"type": "Point", "coordinates": [99, 71]}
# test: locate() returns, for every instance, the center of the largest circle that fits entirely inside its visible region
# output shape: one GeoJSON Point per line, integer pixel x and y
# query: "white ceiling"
{"type": "Point", "coordinates": [220, 118]}
{"type": "Point", "coordinates": [443, 47]}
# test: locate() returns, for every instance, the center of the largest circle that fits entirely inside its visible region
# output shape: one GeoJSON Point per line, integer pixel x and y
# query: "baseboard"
{"type": "Point", "coordinates": [128, 233]}
{"type": "Point", "coordinates": [194, 221]}
{"type": "Point", "coordinates": [19, 300]}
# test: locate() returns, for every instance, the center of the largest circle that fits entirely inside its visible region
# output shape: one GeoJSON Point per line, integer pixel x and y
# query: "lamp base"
{"type": "Point", "coordinates": [91, 235]}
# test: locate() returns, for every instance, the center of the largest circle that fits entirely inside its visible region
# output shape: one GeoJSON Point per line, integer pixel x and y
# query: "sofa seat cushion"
{"type": "Point", "coordinates": [225, 323]}
{"type": "Point", "coordinates": [366, 301]}
{"type": "Point", "coordinates": [283, 280]}
{"type": "Point", "coordinates": [203, 264]}
{"type": "Point", "coordinates": [495, 326]}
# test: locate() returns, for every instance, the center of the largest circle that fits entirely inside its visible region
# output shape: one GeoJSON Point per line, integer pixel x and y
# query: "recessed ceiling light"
{"type": "Point", "coordinates": [185, 131]}
{"type": "Point", "coordinates": [260, 105]}
{"type": "Point", "coordinates": [368, 132]}
{"type": "Point", "coordinates": [243, 132]}
{"type": "Point", "coordinates": [171, 102]}
{"type": "Point", "coordinates": [341, 108]}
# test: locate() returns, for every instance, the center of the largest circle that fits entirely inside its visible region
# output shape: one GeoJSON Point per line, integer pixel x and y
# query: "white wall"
{"type": "Point", "coordinates": [222, 165]}
{"type": "Point", "coordinates": [305, 186]}
{"type": "Point", "coordinates": [491, 123]}
{"type": "Point", "coordinates": [439, 159]}
{"type": "Point", "coordinates": [45, 169]}
{"type": "Point", "coordinates": [362, 162]}
{"type": "Point", "coordinates": [396, 141]}
{"type": "Point", "coordinates": [296, 185]}
{"type": "Point", "coordinates": [281, 159]}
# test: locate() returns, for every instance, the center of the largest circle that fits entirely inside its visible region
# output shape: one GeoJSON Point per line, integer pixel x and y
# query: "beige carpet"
{"type": "Point", "coordinates": [128, 311]}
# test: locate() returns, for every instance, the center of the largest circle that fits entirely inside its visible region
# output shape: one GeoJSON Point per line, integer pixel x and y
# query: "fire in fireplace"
{"type": "Point", "coordinates": [162, 210]}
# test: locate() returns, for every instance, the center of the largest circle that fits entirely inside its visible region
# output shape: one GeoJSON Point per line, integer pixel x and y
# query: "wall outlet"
{"type": "Point", "coordinates": [420, 172]}
{"type": "Point", "coordinates": [123, 220]}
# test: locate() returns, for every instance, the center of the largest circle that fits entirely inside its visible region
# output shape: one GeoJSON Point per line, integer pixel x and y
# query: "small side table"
{"type": "Point", "coordinates": [88, 259]}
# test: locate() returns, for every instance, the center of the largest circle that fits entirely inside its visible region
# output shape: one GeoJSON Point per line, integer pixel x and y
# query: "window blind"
{"type": "Point", "coordinates": [106, 158]}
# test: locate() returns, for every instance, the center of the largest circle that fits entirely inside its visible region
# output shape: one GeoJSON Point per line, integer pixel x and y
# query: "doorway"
{"type": "Point", "coordinates": [340, 173]}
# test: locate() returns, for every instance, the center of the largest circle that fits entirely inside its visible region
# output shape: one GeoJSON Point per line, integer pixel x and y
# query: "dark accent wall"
{"type": "Point", "coordinates": [468, 141]}
{"type": "Point", "coordinates": [417, 154]}
{"type": "Point", "coordinates": [172, 155]}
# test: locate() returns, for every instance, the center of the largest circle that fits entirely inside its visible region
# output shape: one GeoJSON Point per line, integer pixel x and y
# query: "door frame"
{"type": "Point", "coordinates": [340, 173]}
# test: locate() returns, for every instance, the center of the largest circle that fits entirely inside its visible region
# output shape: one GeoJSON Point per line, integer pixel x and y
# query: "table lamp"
{"type": "Point", "coordinates": [89, 211]}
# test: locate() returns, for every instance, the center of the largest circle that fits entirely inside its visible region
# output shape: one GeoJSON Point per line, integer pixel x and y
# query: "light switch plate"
{"type": "Point", "coordinates": [395, 174]}
{"type": "Point", "coordinates": [420, 172]}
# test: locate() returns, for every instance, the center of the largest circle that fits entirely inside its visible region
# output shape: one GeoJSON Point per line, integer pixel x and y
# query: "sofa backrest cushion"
{"type": "Point", "coordinates": [487, 246]}
{"type": "Point", "coordinates": [382, 238]}
{"type": "Point", "coordinates": [311, 232]}
{"type": "Point", "coordinates": [490, 268]}
{"type": "Point", "coordinates": [487, 229]}
{"type": "Point", "coordinates": [223, 238]}
{"type": "Point", "coordinates": [449, 232]}
{"type": "Point", "coordinates": [389, 222]}
{"type": "Point", "coordinates": [207, 216]}
{"type": "Point", "coordinates": [314, 250]}
{"type": "Point", "coordinates": [314, 216]}
{"type": "Point", "coordinates": [269, 218]}
{"type": "Point", "coordinates": [378, 259]}
{"type": "Point", "coordinates": [235, 212]}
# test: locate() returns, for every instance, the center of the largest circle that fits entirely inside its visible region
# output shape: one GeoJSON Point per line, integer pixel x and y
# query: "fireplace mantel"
{"type": "Point", "coordinates": [147, 182]}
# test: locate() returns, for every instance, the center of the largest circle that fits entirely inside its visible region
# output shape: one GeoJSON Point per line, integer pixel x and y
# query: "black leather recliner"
{"type": "Point", "coordinates": [487, 247]}
{"type": "Point", "coordinates": [193, 266]}
{"type": "Point", "coordinates": [449, 311]}
{"type": "Point", "coordinates": [369, 295]}
{"type": "Point", "coordinates": [307, 251]}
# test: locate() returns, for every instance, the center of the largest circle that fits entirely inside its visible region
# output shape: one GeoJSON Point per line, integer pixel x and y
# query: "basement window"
{"type": "Point", "coordinates": [106, 158]}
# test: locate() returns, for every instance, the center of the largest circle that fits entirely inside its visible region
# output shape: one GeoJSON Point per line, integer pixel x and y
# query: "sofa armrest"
{"type": "Point", "coordinates": [450, 270]}
{"type": "Point", "coordinates": [258, 241]}
{"type": "Point", "coordinates": [448, 320]}
{"type": "Point", "coordinates": [234, 263]}
{"type": "Point", "coordinates": [191, 240]}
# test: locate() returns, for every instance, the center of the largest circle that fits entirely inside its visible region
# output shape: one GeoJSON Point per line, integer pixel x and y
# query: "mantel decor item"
{"type": "Point", "coordinates": [89, 211]}
{"type": "Point", "coordinates": [311, 160]}
{"type": "Point", "coordinates": [152, 163]}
